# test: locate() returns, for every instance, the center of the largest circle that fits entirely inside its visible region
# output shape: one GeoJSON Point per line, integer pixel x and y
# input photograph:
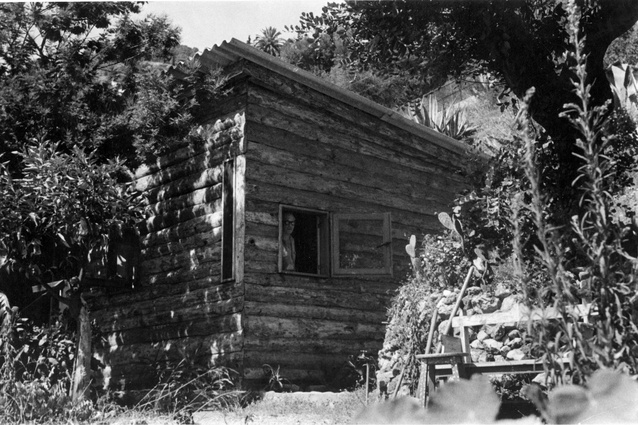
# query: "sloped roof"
{"type": "Point", "coordinates": [234, 50]}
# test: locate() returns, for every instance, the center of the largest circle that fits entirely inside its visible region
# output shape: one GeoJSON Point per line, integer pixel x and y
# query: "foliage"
{"type": "Point", "coordinates": [269, 41]}
{"type": "Point", "coordinates": [187, 386]}
{"type": "Point", "coordinates": [61, 209]}
{"type": "Point", "coordinates": [79, 74]}
{"type": "Point", "coordinates": [601, 270]}
{"type": "Point", "coordinates": [451, 121]}
{"type": "Point", "coordinates": [35, 375]}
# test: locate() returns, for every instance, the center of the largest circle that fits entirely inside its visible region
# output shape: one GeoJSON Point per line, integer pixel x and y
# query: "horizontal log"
{"type": "Point", "coordinates": [205, 195]}
{"type": "Point", "coordinates": [337, 158]}
{"type": "Point", "coordinates": [311, 345]}
{"type": "Point", "coordinates": [191, 328]}
{"type": "Point", "coordinates": [358, 284]}
{"type": "Point", "coordinates": [358, 171]}
{"type": "Point", "coordinates": [185, 171]}
{"type": "Point", "coordinates": [268, 178]}
{"type": "Point", "coordinates": [162, 312]}
{"type": "Point", "coordinates": [175, 217]}
{"type": "Point", "coordinates": [207, 271]}
{"type": "Point", "coordinates": [203, 224]}
{"type": "Point", "coordinates": [282, 327]}
{"type": "Point", "coordinates": [183, 260]}
{"type": "Point", "coordinates": [175, 188]}
{"type": "Point", "coordinates": [329, 129]}
{"type": "Point", "coordinates": [199, 241]}
{"type": "Point", "coordinates": [290, 310]}
{"type": "Point", "coordinates": [180, 288]}
{"type": "Point", "coordinates": [219, 136]}
{"type": "Point", "coordinates": [210, 345]}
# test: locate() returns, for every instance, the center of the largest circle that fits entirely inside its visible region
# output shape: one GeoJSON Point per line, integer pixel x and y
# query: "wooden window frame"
{"type": "Point", "coordinates": [229, 177]}
{"type": "Point", "coordinates": [323, 241]}
{"type": "Point", "coordinates": [386, 270]}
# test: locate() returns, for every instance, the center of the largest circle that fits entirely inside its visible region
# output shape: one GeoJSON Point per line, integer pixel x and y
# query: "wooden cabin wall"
{"type": "Point", "coordinates": [307, 150]}
{"type": "Point", "coordinates": [179, 309]}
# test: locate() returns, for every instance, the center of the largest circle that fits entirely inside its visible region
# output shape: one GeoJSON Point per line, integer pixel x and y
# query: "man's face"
{"type": "Point", "coordinates": [289, 224]}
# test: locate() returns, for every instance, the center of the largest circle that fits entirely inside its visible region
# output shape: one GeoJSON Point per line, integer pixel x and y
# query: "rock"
{"type": "Point", "coordinates": [473, 290]}
{"type": "Point", "coordinates": [495, 331]}
{"type": "Point", "coordinates": [502, 292]}
{"type": "Point", "coordinates": [514, 334]}
{"type": "Point", "coordinates": [504, 350]}
{"type": "Point", "coordinates": [508, 303]}
{"type": "Point", "coordinates": [515, 343]}
{"type": "Point", "coordinates": [476, 354]}
{"type": "Point", "coordinates": [477, 344]}
{"type": "Point", "coordinates": [482, 335]}
{"type": "Point", "coordinates": [499, 358]}
{"type": "Point", "coordinates": [447, 293]}
{"type": "Point", "coordinates": [442, 325]}
{"type": "Point", "coordinates": [516, 354]}
{"type": "Point", "coordinates": [485, 304]}
{"type": "Point", "coordinates": [493, 346]}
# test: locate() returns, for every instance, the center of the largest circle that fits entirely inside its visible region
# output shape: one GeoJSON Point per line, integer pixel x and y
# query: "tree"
{"type": "Point", "coordinates": [521, 42]}
{"type": "Point", "coordinates": [269, 41]}
{"type": "Point", "coordinates": [74, 72]}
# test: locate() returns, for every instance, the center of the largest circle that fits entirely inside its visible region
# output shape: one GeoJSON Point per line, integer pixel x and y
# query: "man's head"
{"type": "Point", "coordinates": [289, 223]}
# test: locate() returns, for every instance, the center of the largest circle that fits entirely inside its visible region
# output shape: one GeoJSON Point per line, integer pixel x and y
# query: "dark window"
{"type": "Point", "coordinates": [303, 241]}
{"type": "Point", "coordinates": [228, 221]}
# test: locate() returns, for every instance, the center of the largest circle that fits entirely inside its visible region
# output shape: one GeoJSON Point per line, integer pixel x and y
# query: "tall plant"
{"type": "Point", "coordinates": [51, 219]}
{"type": "Point", "coordinates": [450, 121]}
{"type": "Point", "coordinates": [601, 270]}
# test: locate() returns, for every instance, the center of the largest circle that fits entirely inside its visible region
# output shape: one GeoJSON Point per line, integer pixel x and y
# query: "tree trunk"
{"type": "Point", "coordinates": [82, 366]}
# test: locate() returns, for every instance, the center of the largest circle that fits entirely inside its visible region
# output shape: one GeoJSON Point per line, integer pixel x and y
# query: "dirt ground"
{"type": "Point", "coordinates": [307, 408]}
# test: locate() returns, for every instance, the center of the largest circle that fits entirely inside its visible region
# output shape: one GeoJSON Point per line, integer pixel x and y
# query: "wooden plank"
{"type": "Point", "coordinates": [205, 195]}
{"type": "Point", "coordinates": [518, 314]}
{"type": "Point", "coordinates": [381, 286]}
{"type": "Point", "coordinates": [180, 245]}
{"type": "Point", "coordinates": [175, 217]}
{"type": "Point", "coordinates": [280, 327]}
{"type": "Point", "coordinates": [289, 310]}
{"type": "Point", "coordinates": [371, 138]}
{"type": "Point", "coordinates": [343, 165]}
{"type": "Point", "coordinates": [197, 164]}
{"type": "Point", "coordinates": [210, 286]}
{"type": "Point", "coordinates": [286, 179]}
{"type": "Point", "coordinates": [211, 345]}
{"type": "Point", "coordinates": [191, 328]}
{"type": "Point", "coordinates": [209, 223]}
{"type": "Point", "coordinates": [142, 316]}
{"type": "Point", "coordinates": [177, 187]}
{"type": "Point", "coordinates": [334, 298]}
{"type": "Point", "coordinates": [183, 260]}
{"type": "Point", "coordinates": [220, 130]}
{"type": "Point", "coordinates": [311, 345]}
{"type": "Point", "coordinates": [205, 272]}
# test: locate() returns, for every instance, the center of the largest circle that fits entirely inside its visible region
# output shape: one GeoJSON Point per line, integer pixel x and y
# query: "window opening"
{"type": "Point", "coordinates": [228, 221]}
{"type": "Point", "coordinates": [303, 241]}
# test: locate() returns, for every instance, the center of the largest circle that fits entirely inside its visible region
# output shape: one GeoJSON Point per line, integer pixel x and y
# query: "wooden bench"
{"type": "Point", "coordinates": [456, 362]}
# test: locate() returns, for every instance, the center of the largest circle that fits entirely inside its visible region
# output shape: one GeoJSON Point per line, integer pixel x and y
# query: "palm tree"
{"type": "Point", "coordinates": [269, 41]}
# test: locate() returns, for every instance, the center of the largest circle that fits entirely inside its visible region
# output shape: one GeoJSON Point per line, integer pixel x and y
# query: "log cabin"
{"type": "Point", "coordinates": [278, 236]}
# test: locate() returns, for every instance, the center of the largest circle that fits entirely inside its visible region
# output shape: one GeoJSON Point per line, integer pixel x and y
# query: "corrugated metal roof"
{"type": "Point", "coordinates": [230, 52]}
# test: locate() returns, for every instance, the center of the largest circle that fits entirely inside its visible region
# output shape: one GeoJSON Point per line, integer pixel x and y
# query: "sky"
{"type": "Point", "coordinates": [205, 23]}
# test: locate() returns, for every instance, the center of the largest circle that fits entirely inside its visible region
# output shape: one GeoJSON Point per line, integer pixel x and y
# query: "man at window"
{"type": "Point", "coordinates": [288, 253]}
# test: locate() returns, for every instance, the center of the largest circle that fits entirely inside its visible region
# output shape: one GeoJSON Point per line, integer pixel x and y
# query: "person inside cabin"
{"type": "Point", "coordinates": [288, 253]}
